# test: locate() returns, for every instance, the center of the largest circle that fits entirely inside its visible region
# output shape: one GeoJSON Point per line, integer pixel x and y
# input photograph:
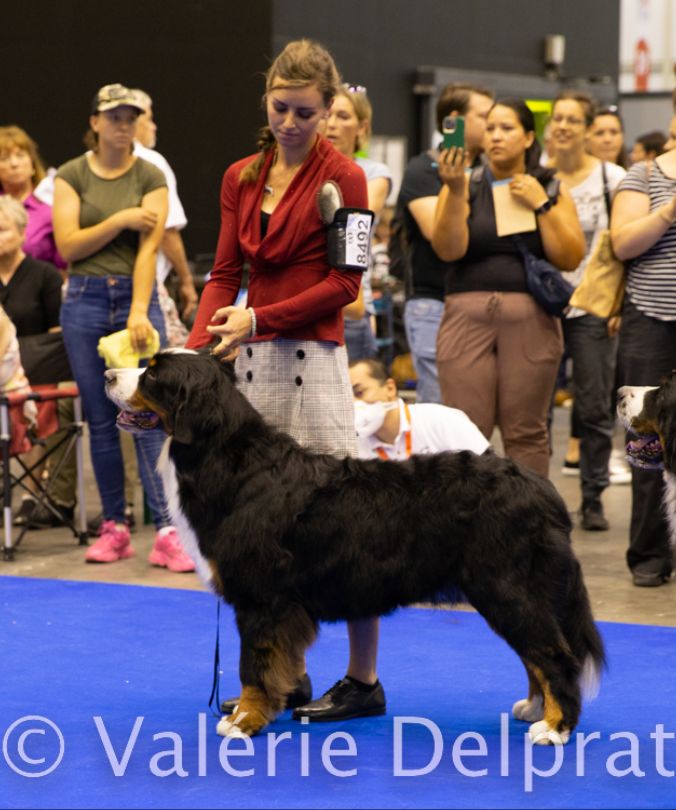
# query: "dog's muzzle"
{"type": "Point", "coordinates": [645, 451]}
{"type": "Point", "coordinates": [121, 388]}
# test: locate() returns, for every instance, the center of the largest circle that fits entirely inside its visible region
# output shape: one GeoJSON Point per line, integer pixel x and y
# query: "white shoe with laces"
{"type": "Point", "coordinates": [618, 469]}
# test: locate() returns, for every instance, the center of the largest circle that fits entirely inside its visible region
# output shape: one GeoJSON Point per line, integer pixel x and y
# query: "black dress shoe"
{"type": "Point", "coordinates": [300, 695]}
{"type": "Point", "coordinates": [346, 699]}
{"type": "Point", "coordinates": [593, 519]}
{"type": "Point", "coordinates": [650, 574]}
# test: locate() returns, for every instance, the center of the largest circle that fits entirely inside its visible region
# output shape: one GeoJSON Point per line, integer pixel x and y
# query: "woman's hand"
{"type": "Point", "coordinates": [528, 191]}
{"type": "Point", "coordinates": [138, 219]}
{"type": "Point", "coordinates": [614, 324]}
{"type": "Point", "coordinates": [188, 297]}
{"type": "Point", "coordinates": [140, 331]}
{"type": "Point", "coordinates": [452, 169]}
{"type": "Point", "coordinates": [235, 327]}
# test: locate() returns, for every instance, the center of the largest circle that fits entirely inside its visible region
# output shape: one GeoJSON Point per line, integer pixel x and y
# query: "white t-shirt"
{"type": "Point", "coordinates": [373, 169]}
{"type": "Point", "coordinates": [434, 429]}
{"type": "Point", "coordinates": [590, 203]}
{"type": "Point", "coordinates": [176, 215]}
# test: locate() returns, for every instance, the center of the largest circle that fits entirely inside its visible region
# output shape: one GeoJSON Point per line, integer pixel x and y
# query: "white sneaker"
{"type": "Point", "coordinates": [618, 469]}
{"type": "Point", "coordinates": [570, 467]}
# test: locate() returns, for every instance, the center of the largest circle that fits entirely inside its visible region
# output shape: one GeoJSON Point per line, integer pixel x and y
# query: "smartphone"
{"type": "Point", "coordinates": [453, 127]}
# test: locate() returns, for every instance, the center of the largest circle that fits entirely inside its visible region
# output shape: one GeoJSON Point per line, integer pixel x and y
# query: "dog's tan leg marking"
{"type": "Point", "coordinates": [253, 713]}
{"type": "Point", "coordinates": [549, 730]}
{"type": "Point", "coordinates": [531, 708]}
{"type": "Point", "coordinates": [217, 584]}
{"type": "Point", "coordinates": [284, 664]}
{"type": "Point", "coordinates": [287, 657]}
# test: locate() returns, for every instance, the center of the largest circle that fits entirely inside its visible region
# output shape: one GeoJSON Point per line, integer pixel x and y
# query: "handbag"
{"type": "Point", "coordinates": [544, 281]}
{"type": "Point", "coordinates": [601, 291]}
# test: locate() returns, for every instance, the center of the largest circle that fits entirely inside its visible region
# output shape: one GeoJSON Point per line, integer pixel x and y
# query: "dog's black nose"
{"type": "Point", "coordinates": [110, 375]}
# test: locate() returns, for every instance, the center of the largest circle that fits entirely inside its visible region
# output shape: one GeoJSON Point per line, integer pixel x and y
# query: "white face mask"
{"type": "Point", "coordinates": [369, 416]}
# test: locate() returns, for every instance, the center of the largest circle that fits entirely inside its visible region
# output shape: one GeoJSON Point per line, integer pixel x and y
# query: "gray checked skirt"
{"type": "Point", "coordinates": [303, 388]}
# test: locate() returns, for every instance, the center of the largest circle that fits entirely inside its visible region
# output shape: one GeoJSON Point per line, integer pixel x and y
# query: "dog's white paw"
{"type": "Point", "coordinates": [529, 710]}
{"type": "Point", "coordinates": [226, 728]}
{"type": "Point", "coordinates": [542, 734]}
{"type": "Point", "coordinates": [224, 725]}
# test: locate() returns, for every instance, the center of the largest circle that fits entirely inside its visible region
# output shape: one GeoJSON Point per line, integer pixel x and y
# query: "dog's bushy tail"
{"type": "Point", "coordinates": [582, 634]}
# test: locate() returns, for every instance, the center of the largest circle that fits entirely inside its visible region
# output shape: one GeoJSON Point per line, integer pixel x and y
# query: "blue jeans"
{"type": "Point", "coordinates": [594, 356]}
{"type": "Point", "coordinates": [422, 317]}
{"type": "Point", "coordinates": [360, 341]}
{"type": "Point", "coordinates": [93, 308]}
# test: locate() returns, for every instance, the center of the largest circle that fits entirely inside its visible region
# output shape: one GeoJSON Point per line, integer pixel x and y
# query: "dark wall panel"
{"type": "Point", "coordinates": [200, 60]}
{"type": "Point", "coordinates": [380, 43]}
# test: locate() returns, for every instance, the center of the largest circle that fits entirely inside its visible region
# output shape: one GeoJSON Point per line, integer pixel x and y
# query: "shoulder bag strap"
{"type": "Point", "coordinates": [606, 190]}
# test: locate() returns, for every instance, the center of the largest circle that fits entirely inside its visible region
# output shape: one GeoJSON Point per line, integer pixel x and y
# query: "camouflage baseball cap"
{"type": "Point", "coordinates": [114, 95]}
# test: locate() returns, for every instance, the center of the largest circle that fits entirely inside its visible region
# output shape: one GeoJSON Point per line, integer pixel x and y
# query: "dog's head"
{"type": "Point", "coordinates": [187, 393]}
{"type": "Point", "coordinates": [650, 413]}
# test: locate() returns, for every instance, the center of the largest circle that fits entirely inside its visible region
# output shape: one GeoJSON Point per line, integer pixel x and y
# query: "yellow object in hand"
{"type": "Point", "coordinates": [117, 351]}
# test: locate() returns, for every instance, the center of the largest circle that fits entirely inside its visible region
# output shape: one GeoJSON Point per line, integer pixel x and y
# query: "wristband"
{"type": "Point", "coordinates": [542, 209]}
{"type": "Point", "coordinates": [251, 312]}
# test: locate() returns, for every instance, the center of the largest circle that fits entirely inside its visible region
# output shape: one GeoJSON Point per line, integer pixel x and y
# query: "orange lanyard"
{"type": "Point", "coordinates": [407, 438]}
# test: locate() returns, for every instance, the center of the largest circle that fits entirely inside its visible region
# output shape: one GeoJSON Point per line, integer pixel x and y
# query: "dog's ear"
{"type": "Point", "coordinates": [182, 429]}
{"type": "Point", "coordinates": [209, 403]}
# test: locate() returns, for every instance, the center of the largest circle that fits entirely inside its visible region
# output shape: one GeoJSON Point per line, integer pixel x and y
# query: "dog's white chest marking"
{"type": "Point", "coordinates": [167, 472]}
{"type": "Point", "coordinates": [670, 504]}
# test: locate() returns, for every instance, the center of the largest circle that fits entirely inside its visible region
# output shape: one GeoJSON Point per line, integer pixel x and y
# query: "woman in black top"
{"type": "Point", "coordinates": [498, 351]}
{"type": "Point", "coordinates": [30, 294]}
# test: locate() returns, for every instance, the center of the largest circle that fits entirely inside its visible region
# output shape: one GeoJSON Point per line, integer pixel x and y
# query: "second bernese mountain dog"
{"type": "Point", "coordinates": [649, 412]}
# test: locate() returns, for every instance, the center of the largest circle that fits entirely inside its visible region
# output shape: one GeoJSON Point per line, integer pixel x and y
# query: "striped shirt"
{"type": "Point", "coordinates": [651, 277]}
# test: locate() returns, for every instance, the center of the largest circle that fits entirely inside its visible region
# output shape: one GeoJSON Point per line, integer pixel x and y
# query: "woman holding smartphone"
{"type": "Point", "coordinates": [498, 351]}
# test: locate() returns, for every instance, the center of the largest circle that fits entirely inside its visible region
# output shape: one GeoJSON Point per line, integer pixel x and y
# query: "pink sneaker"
{"type": "Point", "coordinates": [113, 544]}
{"type": "Point", "coordinates": [168, 552]}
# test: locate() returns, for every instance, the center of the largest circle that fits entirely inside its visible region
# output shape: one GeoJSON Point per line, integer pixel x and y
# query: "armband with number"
{"type": "Point", "coordinates": [349, 239]}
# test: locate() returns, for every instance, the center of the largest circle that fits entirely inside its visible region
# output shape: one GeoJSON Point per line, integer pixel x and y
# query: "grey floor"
{"type": "Point", "coordinates": [55, 554]}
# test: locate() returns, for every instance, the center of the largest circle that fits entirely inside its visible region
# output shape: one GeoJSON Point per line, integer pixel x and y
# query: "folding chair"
{"type": "Point", "coordinates": [16, 438]}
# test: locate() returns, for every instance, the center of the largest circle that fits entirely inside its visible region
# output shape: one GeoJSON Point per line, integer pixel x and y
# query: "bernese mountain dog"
{"type": "Point", "coordinates": [291, 538]}
{"type": "Point", "coordinates": [649, 412]}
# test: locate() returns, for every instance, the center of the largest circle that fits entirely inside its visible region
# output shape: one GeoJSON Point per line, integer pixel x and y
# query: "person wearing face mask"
{"type": "Point", "coordinates": [389, 429]}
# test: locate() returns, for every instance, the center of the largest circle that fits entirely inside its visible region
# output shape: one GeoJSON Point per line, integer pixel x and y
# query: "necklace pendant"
{"type": "Point", "coordinates": [269, 190]}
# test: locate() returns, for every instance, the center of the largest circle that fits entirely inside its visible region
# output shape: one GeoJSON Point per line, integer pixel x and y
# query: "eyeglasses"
{"type": "Point", "coordinates": [354, 88]}
{"type": "Point", "coordinates": [567, 119]}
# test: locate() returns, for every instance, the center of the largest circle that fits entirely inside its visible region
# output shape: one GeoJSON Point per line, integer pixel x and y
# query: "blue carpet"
{"type": "Point", "coordinates": [140, 659]}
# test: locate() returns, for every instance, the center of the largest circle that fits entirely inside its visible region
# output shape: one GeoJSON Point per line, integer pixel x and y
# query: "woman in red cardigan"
{"type": "Point", "coordinates": [288, 343]}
